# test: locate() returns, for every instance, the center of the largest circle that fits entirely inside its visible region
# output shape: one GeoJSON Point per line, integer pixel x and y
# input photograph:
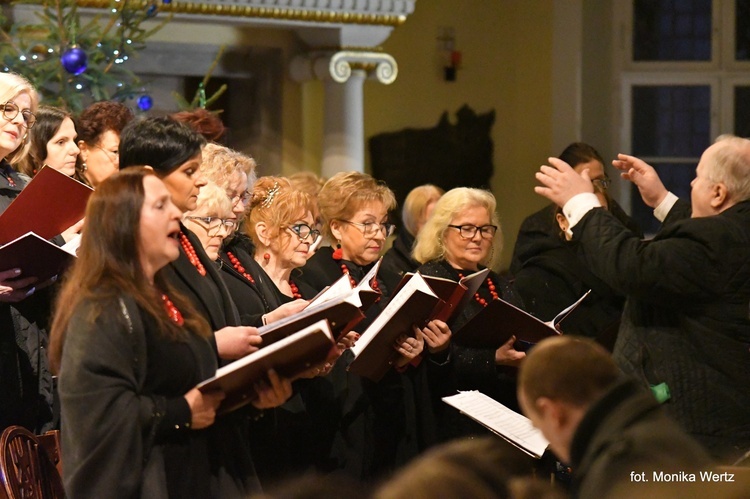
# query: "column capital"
{"type": "Point", "coordinates": [338, 65]}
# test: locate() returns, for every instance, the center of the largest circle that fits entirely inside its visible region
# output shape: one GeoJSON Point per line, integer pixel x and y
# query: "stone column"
{"type": "Point", "coordinates": [343, 74]}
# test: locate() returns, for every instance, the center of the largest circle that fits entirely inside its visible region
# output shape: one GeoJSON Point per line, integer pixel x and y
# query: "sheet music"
{"type": "Point", "coordinates": [338, 289]}
{"type": "Point", "coordinates": [365, 282]}
{"type": "Point", "coordinates": [510, 425]}
{"type": "Point", "coordinates": [416, 283]}
{"type": "Point", "coordinates": [564, 312]}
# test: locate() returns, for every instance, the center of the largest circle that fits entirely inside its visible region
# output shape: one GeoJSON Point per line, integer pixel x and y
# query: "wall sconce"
{"type": "Point", "coordinates": [449, 56]}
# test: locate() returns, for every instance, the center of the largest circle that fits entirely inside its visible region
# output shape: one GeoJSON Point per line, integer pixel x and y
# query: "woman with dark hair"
{"type": "Point", "coordinates": [173, 150]}
{"type": "Point", "coordinates": [130, 349]}
{"type": "Point", "coordinates": [53, 143]}
{"type": "Point", "coordinates": [541, 225]}
{"type": "Point", "coordinates": [550, 276]}
{"type": "Point", "coordinates": [99, 127]}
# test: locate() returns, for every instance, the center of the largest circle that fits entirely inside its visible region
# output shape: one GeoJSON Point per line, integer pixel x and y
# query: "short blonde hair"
{"type": "Point", "coordinates": [11, 86]}
{"type": "Point", "coordinates": [221, 163]}
{"type": "Point", "coordinates": [277, 204]}
{"type": "Point", "coordinates": [212, 201]}
{"type": "Point", "coordinates": [429, 243]}
{"type": "Point", "coordinates": [347, 192]}
{"type": "Point", "coordinates": [416, 203]}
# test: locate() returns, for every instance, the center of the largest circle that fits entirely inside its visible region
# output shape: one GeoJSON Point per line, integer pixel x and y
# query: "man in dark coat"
{"type": "Point", "coordinates": [685, 329]}
{"type": "Point", "coordinates": [610, 430]}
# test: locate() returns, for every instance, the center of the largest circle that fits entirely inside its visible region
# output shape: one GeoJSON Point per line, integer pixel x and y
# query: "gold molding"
{"type": "Point", "coordinates": [276, 13]}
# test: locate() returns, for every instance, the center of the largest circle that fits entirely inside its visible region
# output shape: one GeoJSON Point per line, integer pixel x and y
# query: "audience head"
{"type": "Point", "coordinates": [463, 230]}
{"type": "Point", "coordinates": [53, 142]}
{"type": "Point", "coordinates": [172, 149]}
{"type": "Point", "coordinates": [557, 383]}
{"type": "Point", "coordinates": [204, 122]}
{"type": "Point", "coordinates": [19, 102]}
{"type": "Point", "coordinates": [280, 222]}
{"type": "Point", "coordinates": [130, 234]}
{"type": "Point", "coordinates": [232, 171]}
{"type": "Point", "coordinates": [418, 206]}
{"type": "Point", "coordinates": [212, 219]}
{"type": "Point", "coordinates": [99, 127]}
{"type": "Point", "coordinates": [481, 467]}
{"type": "Point", "coordinates": [722, 178]}
{"type": "Point", "coordinates": [354, 207]}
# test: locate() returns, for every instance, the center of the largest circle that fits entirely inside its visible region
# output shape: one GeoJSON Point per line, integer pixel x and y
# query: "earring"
{"type": "Point", "coordinates": [338, 253]}
{"type": "Point", "coordinates": [84, 167]}
{"type": "Point", "coordinates": [266, 257]}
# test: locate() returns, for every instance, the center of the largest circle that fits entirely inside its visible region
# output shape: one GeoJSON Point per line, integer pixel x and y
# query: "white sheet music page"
{"type": "Point", "coordinates": [416, 283]}
{"type": "Point", "coordinates": [508, 424]}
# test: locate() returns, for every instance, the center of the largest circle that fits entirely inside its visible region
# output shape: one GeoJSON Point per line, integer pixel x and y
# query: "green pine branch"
{"type": "Point", "coordinates": [109, 39]}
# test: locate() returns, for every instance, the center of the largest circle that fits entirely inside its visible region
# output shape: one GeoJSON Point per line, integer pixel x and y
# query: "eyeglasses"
{"type": "Point", "coordinates": [370, 229]}
{"type": "Point", "coordinates": [469, 231]}
{"type": "Point", "coordinates": [213, 225]}
{"type": "Point", "coordinates": [244, 197]}
{"type": "Point", "coordinates": [10, 111]}
{"type": "Point", "coordinates": [601, 184]}
{"type": "Point", "coordinates": [109, 154]}
{"type": "Point", "coordinates": [303, 231]}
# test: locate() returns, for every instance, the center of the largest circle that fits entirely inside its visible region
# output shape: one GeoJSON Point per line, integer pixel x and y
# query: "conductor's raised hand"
{"type": "Point", "coordinates": [13, 287]}
{"type": "Point", "coordinates": [644, 177]}
{"type": "Point", "coordinates": [234, 342]}
{"type": "Point", "coordinates": [272, 393]}
{"type": "Point", "coordinates": [203, 407]}
{"type": "Point", "coordinates": [560, 182]}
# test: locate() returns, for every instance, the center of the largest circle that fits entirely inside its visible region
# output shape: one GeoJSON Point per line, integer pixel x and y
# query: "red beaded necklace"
{"type": "Point", "coordinates": [172, 312]}
{"type": "Point", "coordinates": [239, 268]}
{"type": "Point", "coordinates": [490, 285]}
{"type": "Point", "coordinates": [374, 284]}
{"type": "Point", "coordinates": [295, 291]}
{"type": "Point", "coordinates": [191, 254]}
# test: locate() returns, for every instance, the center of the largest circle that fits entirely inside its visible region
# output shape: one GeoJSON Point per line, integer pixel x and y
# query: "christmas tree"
{"type": "Point", "coordinates": [74, 61]}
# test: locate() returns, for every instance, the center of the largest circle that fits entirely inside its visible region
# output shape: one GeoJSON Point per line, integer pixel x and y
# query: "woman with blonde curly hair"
{"type": "Point", "coordinates": [462, 237]}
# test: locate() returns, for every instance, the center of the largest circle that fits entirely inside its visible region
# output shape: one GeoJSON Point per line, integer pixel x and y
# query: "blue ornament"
{"type": "Point", "coordinates": [152, 10]}
{"type": "Point", "coordinates": [166, 2]}
{"type": "Point", "coordinates": [74, 60]}
{"type": "Point", "coordinates": [145, 102]}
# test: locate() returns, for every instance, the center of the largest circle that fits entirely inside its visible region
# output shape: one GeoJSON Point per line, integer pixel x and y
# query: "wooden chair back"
{"type": "Point", "coordinates": [30, 465]}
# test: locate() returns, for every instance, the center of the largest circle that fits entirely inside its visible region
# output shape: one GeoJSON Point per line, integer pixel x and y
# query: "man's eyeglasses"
{"type": "Point", "coordinates": [370, 229]}
{"type": "Point", "coordinates": [114, 156]}
{"type": "Point", "coordinates": [213, 225]}
{"type": "Point", "coordinates": [602, 184]}
{"type": "Point", "coordinates": [10, 111]}
{"type": "Point", "coordinates": [469, 231]}
{"type": "Point", "coordinates": [303, 231]}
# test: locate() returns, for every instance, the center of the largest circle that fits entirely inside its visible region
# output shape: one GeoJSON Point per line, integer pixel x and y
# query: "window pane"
{"type": "Point", "coordinates": [672, 30]}
{"type": "Point", "coordinates": [742, 111]}
{"type": "Point", "coordinates": [676, 178]}
{"type": "Point", "coordinates": [671, 120]}
{"type": "Point", "coordinates": [742, 17]}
